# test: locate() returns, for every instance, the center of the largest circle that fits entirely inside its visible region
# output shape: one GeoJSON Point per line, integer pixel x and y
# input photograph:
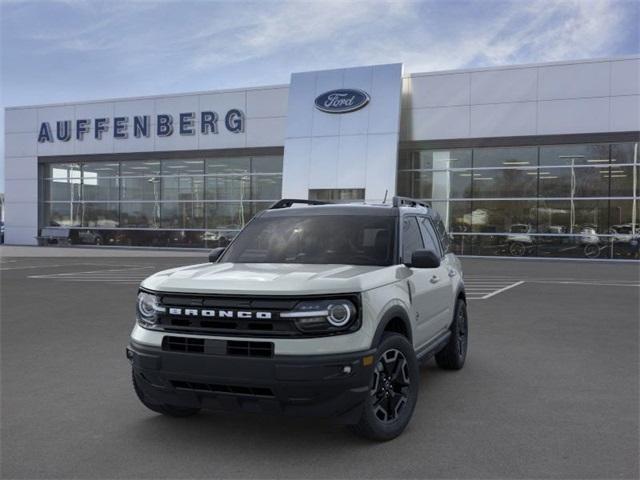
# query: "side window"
{"type": "Point", "coordinates": [411, 238]}
{"type": "Point", "coordinates": [442, 233]}
{"type": "Point", "coordinates": [430, 238]}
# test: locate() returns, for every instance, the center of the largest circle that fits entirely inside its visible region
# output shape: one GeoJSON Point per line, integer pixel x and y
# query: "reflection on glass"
{"type": "Point", "coordinates": [103, 215]}
{"type": "Point", "coordinates": [182, 215]}
{"type": "Point", "coordinates": [337, 195]}
{"type": "Point", "coordinates": [571, 155]}
{"type": "Point", "coordinates": [574, 217]}
{"type": "Point", "coordinates": [504, 183]}
{"type": "Point", "coordinates": [502, 216]}
{"type": "Point", "coordinates": [134, 168]}
{"type": "Point", "coordinates": [139, 214]}
{"type": "Point", "coordinates": [62, 214]}
{"type": "Point", "coordinates": [505, 157]}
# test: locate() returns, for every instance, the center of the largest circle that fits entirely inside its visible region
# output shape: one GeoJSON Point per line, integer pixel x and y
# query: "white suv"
{"type": "Point", "coordinates": [313, 309]}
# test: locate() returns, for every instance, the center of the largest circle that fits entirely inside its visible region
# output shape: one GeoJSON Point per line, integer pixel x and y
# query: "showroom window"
{"type": "Point", "coordinates": [547, 200]}
{"type": "Point", "coordinates": [158, 202]}
{"type": "Point", "coordinates": [337, 194]}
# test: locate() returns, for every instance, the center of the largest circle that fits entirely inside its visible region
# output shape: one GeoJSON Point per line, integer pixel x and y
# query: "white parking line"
{"type": "Point", "coordinates": [508, 287]}
{"type": "Point", "coordinates": [132, 275]}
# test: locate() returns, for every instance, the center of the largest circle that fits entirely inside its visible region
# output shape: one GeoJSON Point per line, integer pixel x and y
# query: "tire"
{"type": "Point", "coordinates": [393, 393]}
{"type": "Point", "coordinates": [454, 354]}
{"type": "Point", "coordinates": [517, 249]}
{"type": "Point", "coordinates": [164, 409]}
{"type": "Point", "coordinates": [591, 251]}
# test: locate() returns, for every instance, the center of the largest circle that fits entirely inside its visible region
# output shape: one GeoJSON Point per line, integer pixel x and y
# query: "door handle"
{"type": "Point", "coordinates": [435, 279]}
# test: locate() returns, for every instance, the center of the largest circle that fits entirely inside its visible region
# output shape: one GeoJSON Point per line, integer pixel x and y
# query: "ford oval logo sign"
{"type": "Point", "coordinates": [342, 101]}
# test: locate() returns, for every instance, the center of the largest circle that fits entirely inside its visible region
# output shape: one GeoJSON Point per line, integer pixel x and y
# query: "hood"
{"type": "Point", "coordinates": [270, 278]}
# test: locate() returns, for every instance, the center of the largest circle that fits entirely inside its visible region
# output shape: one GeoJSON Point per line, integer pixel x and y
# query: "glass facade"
{"type": "Point", "coordinates": [199, 202]}
{"type": "Point", "coordinates": [547, 201]}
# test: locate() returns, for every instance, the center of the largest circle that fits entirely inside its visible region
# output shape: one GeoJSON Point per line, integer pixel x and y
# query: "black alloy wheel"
{"type": "Point", "coordinates": [391, 383]}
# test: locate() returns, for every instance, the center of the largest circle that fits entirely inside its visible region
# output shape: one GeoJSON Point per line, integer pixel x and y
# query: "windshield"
{"type": "Point", "coordinates": [341, 239]}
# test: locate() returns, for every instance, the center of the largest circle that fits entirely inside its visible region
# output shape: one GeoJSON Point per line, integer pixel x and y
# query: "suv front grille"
{"type": "Point", "coordinates": [239, 316]}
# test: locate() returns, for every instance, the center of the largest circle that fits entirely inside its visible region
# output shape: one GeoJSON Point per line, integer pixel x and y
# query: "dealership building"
{"type": "Point", "coordinates": [529, 160]}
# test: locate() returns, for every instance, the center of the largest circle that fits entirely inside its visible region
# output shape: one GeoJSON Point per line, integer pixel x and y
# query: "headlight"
{"type": "Point", "coordinates": [324, 316]}
{"type": "Point", "coordinates": [148, 307]}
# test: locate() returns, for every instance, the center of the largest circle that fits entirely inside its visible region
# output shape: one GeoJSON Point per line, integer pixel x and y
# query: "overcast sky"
{"type": "Point", "coordinates": [73, 50]}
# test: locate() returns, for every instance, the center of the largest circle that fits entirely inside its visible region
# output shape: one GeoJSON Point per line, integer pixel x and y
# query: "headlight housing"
{"type": "Point", "coordinates": [147, 309]}
{"type": "Point", "coordinates": [324, 316]}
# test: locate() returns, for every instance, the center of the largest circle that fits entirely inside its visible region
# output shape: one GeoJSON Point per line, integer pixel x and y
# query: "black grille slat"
{"type": "Point", "coordinates": [183, 344]}
{"type": "Point", "coordinates": [250, 349]}
{"type": "Point", "coordinates": [228, 389]}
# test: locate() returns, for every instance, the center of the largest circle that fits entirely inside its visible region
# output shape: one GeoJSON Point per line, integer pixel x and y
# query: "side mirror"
{"type": "Point", "coordinates": [424, 259]}
{"type": "Point", "coordinates": [215, 254]}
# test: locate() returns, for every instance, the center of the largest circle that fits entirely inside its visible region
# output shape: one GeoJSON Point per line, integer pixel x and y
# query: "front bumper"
{"type": "Point", "coordinates": [319, 385]}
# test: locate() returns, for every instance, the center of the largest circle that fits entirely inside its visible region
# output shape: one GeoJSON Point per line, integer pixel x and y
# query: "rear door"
{"type": "Point", "coordinates": [424, 285]}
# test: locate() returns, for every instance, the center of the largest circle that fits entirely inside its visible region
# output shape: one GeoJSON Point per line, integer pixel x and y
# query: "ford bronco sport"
{"type": "Point", "coordinates": [315, 309]}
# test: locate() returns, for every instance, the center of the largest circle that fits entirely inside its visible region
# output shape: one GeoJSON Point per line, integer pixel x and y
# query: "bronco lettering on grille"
{"type": "Point", "coordinates": [241, 314]}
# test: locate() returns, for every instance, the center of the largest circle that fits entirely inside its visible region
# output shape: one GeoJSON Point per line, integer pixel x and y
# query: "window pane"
{"type": "Point", "coordinates": [183, 188]}
{"type": "Point", "coordinates": [411, 238]}
{"type": "Point", "coordinates": [100, 188]}
{"type": "Point", "coordinates": [62, 214]}
{"type": "Point", "coordinates": [435, 185]}
{"type": "Point", "coordinates": [100, 215]}
{"type": "Point", "coordinates": [575, 217]}
{"type": "Point", "coordinates": [139, 214]}
{"type": "Point", "coordinates": [61, 189]}
{"type": "Point", "coordinates": [337, 194]}
{"type": "Point", "coordinates": [505, 183]}
{"type": "Point", "coordinates": [574, 154]}
{"type": "Point", "coordinates": [183, 167]}
{"type": "Point", "coordinates": [62, 170]}
{"type": "Point", "coordinates": [266, 187]}
{"type": "Point", "coordinates": [100, 169]}
{"type": "Point", "coordinates": [429, 236]}
{"type": "Point", "coordinates": [624, 153]}
{"type": "Point", "coordinates": [182, 215]}
{"type": "Point", "coordinates": [140, 168]}
{"type": "Point", "coordinates": [227, 215]}
{"type": "Point", "coordinates": [503, 216]}
{"type": "Point", "coordinates": [434, 159]}
{"type": "Point", "coordinates": [623, 218]}
{"type": "Point", "coordinates": [230, 187]}
{"type": "Point", "coordinates": [266, 164]}
{"type": "Point", "coordinates": [574, 182]}
{"type": "Point", "coordinates": [505, 157]}
{"type": "Point", "coordinates": [237, 165]}
{"type": "Point", "coordinates": [145, 188]}
{"type": "Point", "coordinates": [622, 180]}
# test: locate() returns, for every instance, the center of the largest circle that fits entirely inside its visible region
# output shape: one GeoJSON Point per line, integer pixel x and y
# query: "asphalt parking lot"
{"type": "Point", "coordinates": [550, 389]}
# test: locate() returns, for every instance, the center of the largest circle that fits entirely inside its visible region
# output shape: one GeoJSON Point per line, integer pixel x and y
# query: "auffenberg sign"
{"type": "Point", "coordinates": [140, 126]}
{"type": "Point", "coordinates": [342, 101]}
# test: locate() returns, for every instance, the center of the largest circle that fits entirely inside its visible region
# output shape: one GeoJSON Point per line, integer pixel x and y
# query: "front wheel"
{"type": "Point", "coordinates": [393, 390]}
{"type": "Point", "coordinates": [453, 355]}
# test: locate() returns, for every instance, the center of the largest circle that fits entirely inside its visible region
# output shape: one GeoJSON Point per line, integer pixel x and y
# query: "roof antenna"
{"type": "Point", "coordinates": [385, 196]}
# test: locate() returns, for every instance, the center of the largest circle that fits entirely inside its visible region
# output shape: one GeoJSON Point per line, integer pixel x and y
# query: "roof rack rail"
{"type": "Point", "coordinates": [409, 202]}
{"type": "Point", "coordinates": [288, 202]}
